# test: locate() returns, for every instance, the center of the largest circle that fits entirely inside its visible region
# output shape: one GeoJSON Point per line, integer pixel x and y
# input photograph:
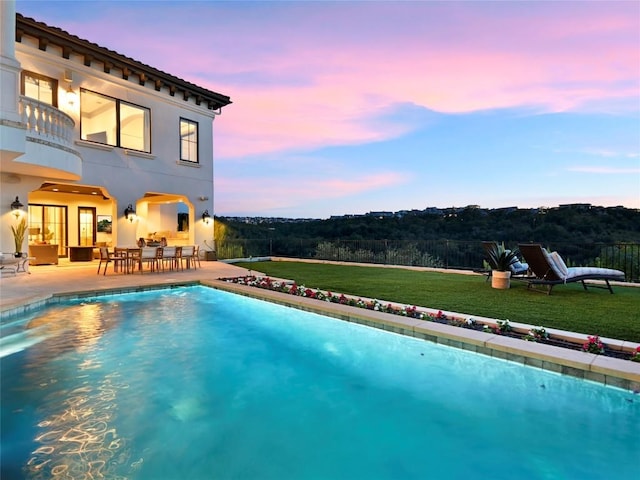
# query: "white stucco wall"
{"type": "Point", "coordinates": [126, 175]}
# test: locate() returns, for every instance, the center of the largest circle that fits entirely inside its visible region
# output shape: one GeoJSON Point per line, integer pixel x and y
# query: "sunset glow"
{"type": "Point", "coordinates": [351, 107]}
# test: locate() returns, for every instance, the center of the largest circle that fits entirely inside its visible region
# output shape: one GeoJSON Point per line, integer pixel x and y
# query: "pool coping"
{"type": "Point", "coordinates": [609, 371]}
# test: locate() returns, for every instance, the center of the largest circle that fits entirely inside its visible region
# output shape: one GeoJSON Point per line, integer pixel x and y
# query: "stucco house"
{"type": "Point", "coordinates": [98, 148]}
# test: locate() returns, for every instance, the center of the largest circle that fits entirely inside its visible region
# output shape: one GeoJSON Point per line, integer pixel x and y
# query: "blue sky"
{"type": "Point", "coordinates": [349, 107]}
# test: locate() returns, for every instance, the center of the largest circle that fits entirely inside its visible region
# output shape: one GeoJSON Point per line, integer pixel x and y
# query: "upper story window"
{"type": "Point", "coordinates": [114, 122]}
{"type": "Point", "coordinates": [188, 140]}
{"type": "Point", "coordinates": [44, 89]}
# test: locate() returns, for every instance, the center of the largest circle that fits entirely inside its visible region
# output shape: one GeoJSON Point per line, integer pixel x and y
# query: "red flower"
{"type": "Point", "coordinates": [593, 345]}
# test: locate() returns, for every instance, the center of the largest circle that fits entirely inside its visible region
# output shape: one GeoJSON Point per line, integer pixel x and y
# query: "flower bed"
{"type": "Point", "coordinates": [497, 327]}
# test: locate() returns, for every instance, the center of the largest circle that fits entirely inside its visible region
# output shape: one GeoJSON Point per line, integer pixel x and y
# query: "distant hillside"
{"type": "Point", "coordinates": [566, 224]}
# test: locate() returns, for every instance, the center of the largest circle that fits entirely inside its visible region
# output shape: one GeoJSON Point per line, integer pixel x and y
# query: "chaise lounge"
{"type": "Point", "coordinates": [549, 269]}
{"type": "Point", "coordinates": [9, 263]}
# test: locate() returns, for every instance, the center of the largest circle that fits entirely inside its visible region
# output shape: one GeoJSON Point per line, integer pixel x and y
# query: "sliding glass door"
{"type": "Point", "coordinates": [86, 226]}
{"type": "Point", "coordinates": [48, 225]}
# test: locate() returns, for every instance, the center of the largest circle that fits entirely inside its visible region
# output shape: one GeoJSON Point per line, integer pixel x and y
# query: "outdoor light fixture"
{"type": "Point", "coordinates": [16, 207]}
{"type": "Point", "coordinates": [71, 96]}
{"type": "Point", "coordinates": [129, 213]}
{"type": "Point", "coordinates": [206, 218]}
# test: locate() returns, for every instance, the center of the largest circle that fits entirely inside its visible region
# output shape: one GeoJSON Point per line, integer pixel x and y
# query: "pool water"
{"type": "Point", "coordinates": [196, 383]}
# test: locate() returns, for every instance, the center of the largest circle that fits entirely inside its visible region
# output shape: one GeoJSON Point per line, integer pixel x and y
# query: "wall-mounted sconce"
{"type": "Point", "coordinates": [16, 207]}
{"type": "Point", "coordinates": [71, 96]}
{"type": "Point", "coordinates": [129, 213]}
{"type": "Point", "coordinates": [206, 218]}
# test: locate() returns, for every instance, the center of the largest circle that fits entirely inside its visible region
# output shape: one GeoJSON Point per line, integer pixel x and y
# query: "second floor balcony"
{"type": "Point", "coordinates": [41, 144]}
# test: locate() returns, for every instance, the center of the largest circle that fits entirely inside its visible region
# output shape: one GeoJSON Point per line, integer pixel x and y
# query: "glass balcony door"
{"type": "Point", "coordinates": [48, 225]}
{"type": "Point", "coordinates": [86, 226]}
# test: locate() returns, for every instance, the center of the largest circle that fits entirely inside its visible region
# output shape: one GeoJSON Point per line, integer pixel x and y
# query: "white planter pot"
{"type": "Point", "coordinates": [501, 280]}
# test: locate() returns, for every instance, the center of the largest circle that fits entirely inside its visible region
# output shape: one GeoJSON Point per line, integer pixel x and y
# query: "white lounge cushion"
{"type": "Point", "coordinates": [560, 265]}
{"type": "Point", "coordinates": [609, 273]}
{"type": "Point", "coordinates": [554, 266]}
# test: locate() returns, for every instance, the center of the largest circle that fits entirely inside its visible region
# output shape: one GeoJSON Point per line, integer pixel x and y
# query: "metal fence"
{"type": "Point", "coordinates": [466, 255]}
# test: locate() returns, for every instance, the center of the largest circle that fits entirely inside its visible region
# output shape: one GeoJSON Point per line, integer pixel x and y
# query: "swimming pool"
{"type": "Point", "coordinates": [196, 383]}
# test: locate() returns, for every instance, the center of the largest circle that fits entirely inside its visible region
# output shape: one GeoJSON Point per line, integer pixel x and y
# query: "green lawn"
{"type": "Point", "coordinates": [569, 307]}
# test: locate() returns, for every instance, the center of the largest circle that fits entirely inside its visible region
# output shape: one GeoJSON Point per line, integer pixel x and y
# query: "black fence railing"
{"type": "Point", "coordinates": [466, 255]}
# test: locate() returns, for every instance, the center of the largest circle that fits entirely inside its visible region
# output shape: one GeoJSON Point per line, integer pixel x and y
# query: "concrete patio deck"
{"type": "Point", "coordinates": [43, 281]}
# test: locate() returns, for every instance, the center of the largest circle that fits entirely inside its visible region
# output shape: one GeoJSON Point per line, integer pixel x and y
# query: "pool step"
{"type": "Point", "coordinates": [18, 341]}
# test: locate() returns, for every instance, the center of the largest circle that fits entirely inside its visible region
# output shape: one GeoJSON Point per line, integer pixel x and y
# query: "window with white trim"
{"type": "Point", "coordinates": [39, 87]}
{"type": "Point", "coordinates": [111, 121]}
{"type": "Point", "coordinates": [188, 141]}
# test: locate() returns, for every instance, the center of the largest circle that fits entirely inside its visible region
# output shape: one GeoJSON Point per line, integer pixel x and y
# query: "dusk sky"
{"type": "Point", "coordinates": [349, 107]}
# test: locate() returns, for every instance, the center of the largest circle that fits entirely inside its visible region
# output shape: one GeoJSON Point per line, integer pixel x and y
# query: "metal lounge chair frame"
{"type": "Point", "coordinates": [10, 264]}
{"type": "Point", "coordinates": [547, 272]}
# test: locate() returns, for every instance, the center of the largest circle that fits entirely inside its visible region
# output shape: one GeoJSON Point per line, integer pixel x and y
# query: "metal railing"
{"type": "Point", "coordinates": [455, 254]}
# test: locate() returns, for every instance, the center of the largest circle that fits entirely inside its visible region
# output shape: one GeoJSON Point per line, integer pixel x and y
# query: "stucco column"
{"type": "Point", "coordinates": [9, 66]}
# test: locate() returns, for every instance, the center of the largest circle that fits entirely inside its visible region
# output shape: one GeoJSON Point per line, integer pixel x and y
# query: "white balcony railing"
{"type": "Point", "coordinates": [46, 122]}
{"type": "Point", "coordinates": [47, 143]}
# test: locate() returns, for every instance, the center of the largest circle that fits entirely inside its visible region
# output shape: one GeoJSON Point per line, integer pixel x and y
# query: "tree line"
{"type": "Point", "coordinates": [556, 225]}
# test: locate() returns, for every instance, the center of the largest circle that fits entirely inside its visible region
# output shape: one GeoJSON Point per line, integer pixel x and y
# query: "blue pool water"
{"type": "Point", "coordinates": [196, 383]}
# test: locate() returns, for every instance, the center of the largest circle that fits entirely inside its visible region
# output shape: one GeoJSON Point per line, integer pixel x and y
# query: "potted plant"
{"type": "Point", "coordinates": [18, 235]}
{"type": "Point", "coordinates": [500, 260]}
{"type": "Point", "coordinates": [210, 254]}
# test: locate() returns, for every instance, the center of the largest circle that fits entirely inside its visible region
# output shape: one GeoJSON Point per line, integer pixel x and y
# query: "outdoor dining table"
{"type": "Point", "coordinates": [80, 253]}
{"type": "Point", "coordinates": [132, 254]}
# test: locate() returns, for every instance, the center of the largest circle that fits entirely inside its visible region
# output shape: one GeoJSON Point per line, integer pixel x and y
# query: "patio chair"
{"type": "Point", "coordinates": [159, 258]}
{"type": "Point", "coordinates": [148, 255]}
{"type": "Point", "coordinates": [196, 256]}
{"type": "Point", "coordinates": [134, 256]}
{"type": "Point", "coordinates": [106, 258]}
{"type": "Point", "coordinates": [177, 258]}
{"type": "Point", "coordinates": [187, 254]}
{"type": "Point", "coordinates": [169, 257]}
{"type": "Point", "coordinates": [517, 269]}
{"type": "Point", "coordinates": [549, 269]}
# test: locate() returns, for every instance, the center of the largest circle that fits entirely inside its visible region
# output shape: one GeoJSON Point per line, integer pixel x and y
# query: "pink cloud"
{"type": "Point", "coordinates": [547, 61]}
{"type": "Point", "coordinates": [240, 194]}
{"type": "Point", "coordinates": [311, 187]}
{"type": "Point", "coordinates": [307, 75]}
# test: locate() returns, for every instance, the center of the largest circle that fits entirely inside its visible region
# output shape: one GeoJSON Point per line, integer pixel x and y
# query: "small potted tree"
{"type": "Point", "coordinates": [18, 235]}
{"type": "Point", "coordinates": [500, 260]}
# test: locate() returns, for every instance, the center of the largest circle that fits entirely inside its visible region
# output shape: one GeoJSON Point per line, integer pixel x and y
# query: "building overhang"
{"type": "Point", "coordinates": [76, 189]}
{"type": "Point", "coordinates": [114, 62]}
